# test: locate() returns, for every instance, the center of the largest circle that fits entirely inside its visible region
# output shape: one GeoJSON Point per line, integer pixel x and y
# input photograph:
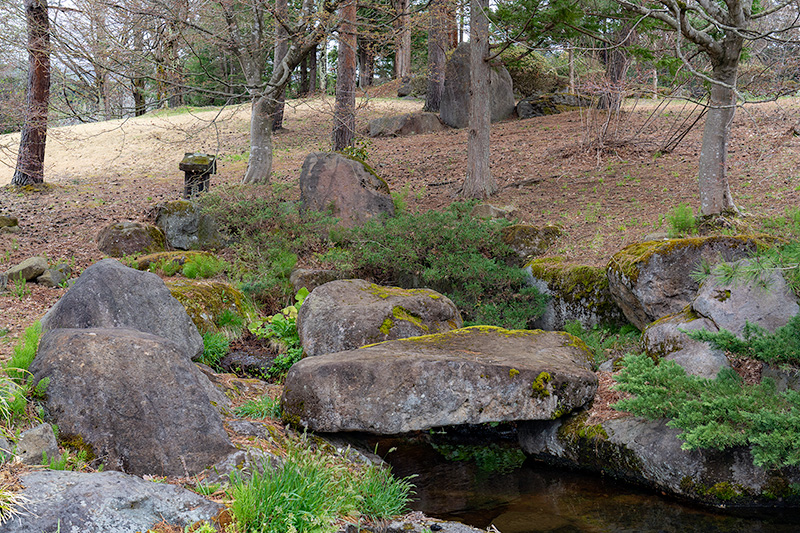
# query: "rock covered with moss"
{"type": "Point", "coordinates": [347, 314]}
{"type": "Point", "coordinates": [185, 227]}
{"type": "Point", "coordinates": [467, 376]}
{"type": "Point", "coordinates": [127, 238]}
{"type": "Point", "coordinates": [576, 292]}
{"type": "Point", "coordinates": [207, 301]}
{"type": "Point", "coordinates": [654, 279]}
{"type": "Point", "coordinates": [649, 453]}
{"type": "Point", "coordinates": [530, 241]}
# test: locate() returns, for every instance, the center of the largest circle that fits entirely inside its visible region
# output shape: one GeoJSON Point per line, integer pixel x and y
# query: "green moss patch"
{"type": "Point", "coordinates": [206, 301]}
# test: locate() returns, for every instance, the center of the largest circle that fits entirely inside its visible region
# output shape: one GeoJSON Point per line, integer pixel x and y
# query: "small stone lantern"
{"type": "Point", "coordinates": [198, 169]}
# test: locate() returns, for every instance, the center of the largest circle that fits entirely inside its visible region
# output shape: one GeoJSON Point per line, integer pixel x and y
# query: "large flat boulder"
{"type": "Point", "coordinates": [347, 187]}
{"type": "Point", "coordinates": [649, 453]}
{"type": "Point", "coordinates": [407, 124]}
{"type": "Point", "coordinates": [104, 502]}
{"type": "Point", "coordinates": [467, 376]}
{"type": "Point", "coordinates": [654, 279]}
{"type": "Point", "coordinates": [134, 398]}
{"type": "Point", "coordinates": [111, 295]}
{"type": "Point", "coordinates": [454, 109]}
{"type": "Point", "coordinates": [347, 314]}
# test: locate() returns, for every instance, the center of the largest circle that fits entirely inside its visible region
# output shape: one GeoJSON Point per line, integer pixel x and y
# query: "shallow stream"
{"type": "Point", "coordinates": [480, 486]}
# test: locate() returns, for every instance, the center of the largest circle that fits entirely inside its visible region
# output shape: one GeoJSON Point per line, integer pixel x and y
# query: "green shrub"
{"type": "Point", "coordinates": [606, 339]}
{"type": "Point", "coordinates": [263, 407]}
{"type": "Point", "coordinates": [203, 266]}
{"type": "Point", "coordinates": [215, 347]}
{"type": "Point", "coordinates": [448, 251]}
{"type": "Point", "coordinates": [720, 414]}
{"type": "Point", "coordinates": [268, 234]}
{"type": "Point", "coordinates": [311, 491]}
{"type": "Point", "coordinates": [783, 346]}
{"type": "Point", "coordinates": [681, 221]}
{"type": "Point", "coordinates": [169, 267]}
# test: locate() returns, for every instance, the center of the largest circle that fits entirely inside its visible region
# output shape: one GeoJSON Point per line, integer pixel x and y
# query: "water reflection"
{"type": "Point", "coordinates": [538, 498]}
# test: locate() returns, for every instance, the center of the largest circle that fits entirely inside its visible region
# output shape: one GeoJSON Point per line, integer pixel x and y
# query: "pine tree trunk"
{"type": "Point", "coordinates": [344, 114]}
{"type": "Point", "coordinates": [715, 194]}
{"type": "Point", "coordinates": [437, 49]}
{"type": "Point", "coordinates": [479, 182]}
{"type": "Point", "coordinates": [281, 48]}
{"type": "Point", "coordinates": [30, 161]}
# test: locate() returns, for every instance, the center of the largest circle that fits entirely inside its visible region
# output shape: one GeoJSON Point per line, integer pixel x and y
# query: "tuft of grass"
{"type": "Point", "coordinates": [311, 491]}
{"type": "Point", "coordinates": [204, 266]}
{"type": "Point", "coordinates": [263, 407]}
{"type": "Point", "coordinates": [24, 352]}
{"type": "Point", "coordinates": [215, 347]}
{"type": "Point", "coordinates": [19, 288]}
{"type": "Point", "coordinates": [12, 503]}
{"type": "Point", "coordinates": [681, 221]}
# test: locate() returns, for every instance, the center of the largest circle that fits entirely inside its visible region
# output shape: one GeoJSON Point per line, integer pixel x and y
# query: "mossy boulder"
{"type": "Point", "coordinates": [467, 376]}
{"type": "Point", "coordinates": [127, 238]}
{"type": "Point", "coordinates": [766, 301]}
{"type": "Point", "coordinates": [530, 241]}
{"type": "Point", "coordinates": [653, 279]}
{"type": "Point", "coordinates": [577, 292]}
{"type": "Point", "coordinates": [175, 258]}
{"type": "Point", "coordinates": [8, 222]}
{"type": "Point", "coordinates": [649, 453]}
{"type": "Point", "coordinates": [347, 314]}
{"type": "Point", "coordinates": [29, 269]}
{"type": "Point", "coordinates": [185, 227]}
{"type": "Point", "coordinates": [206, 301]}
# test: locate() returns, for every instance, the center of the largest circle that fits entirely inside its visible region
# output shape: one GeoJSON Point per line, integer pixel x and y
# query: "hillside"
{"type": "Point", "coordinates": [550, 169]}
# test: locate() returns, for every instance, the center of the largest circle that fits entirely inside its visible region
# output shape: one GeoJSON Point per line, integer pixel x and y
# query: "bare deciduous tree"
{"type": "Point", "coordinates": [720, 30]}
{"type": "Point", "coordinates": [30, 161]}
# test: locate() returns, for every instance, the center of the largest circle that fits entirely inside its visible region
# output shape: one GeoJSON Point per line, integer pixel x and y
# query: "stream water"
{"type": "Point", "coordinates": [480, 486]}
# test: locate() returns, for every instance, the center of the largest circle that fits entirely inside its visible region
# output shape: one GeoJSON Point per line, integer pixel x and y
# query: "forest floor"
{"type": "Point", "coordinates": [606, 180]}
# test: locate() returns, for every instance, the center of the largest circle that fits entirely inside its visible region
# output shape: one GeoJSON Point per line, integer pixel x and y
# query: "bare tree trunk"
{"type": "Point", "coordinates": [402, 46]}
{"type": "Point", "coordinates": [281, 48]}
{"type": "Point", "coordinates": [438, 37]}
{"type": "Point", "coordinates": [30, 161]}
{"type": "Point", "coordinates": [571, 52]}
{"type": "Point", "coordinates": [617, 61]}
{"type": "Point", "coordinates": [366, 62]}
{"type": "Point", "coordinates": [139, 104]}
{"type": "Point", "coordinates": [259, 164]}
{"type": "Point", "coordinates": [303, 77]}
{"type": "Point", "coordinates": [715, 194]}
{"type": "Point", "coordinates": [312, 70]}
{"type": "Point", "coordinates": [344, 113]}
{"type": "Point", "coordinates": [479, 182]}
